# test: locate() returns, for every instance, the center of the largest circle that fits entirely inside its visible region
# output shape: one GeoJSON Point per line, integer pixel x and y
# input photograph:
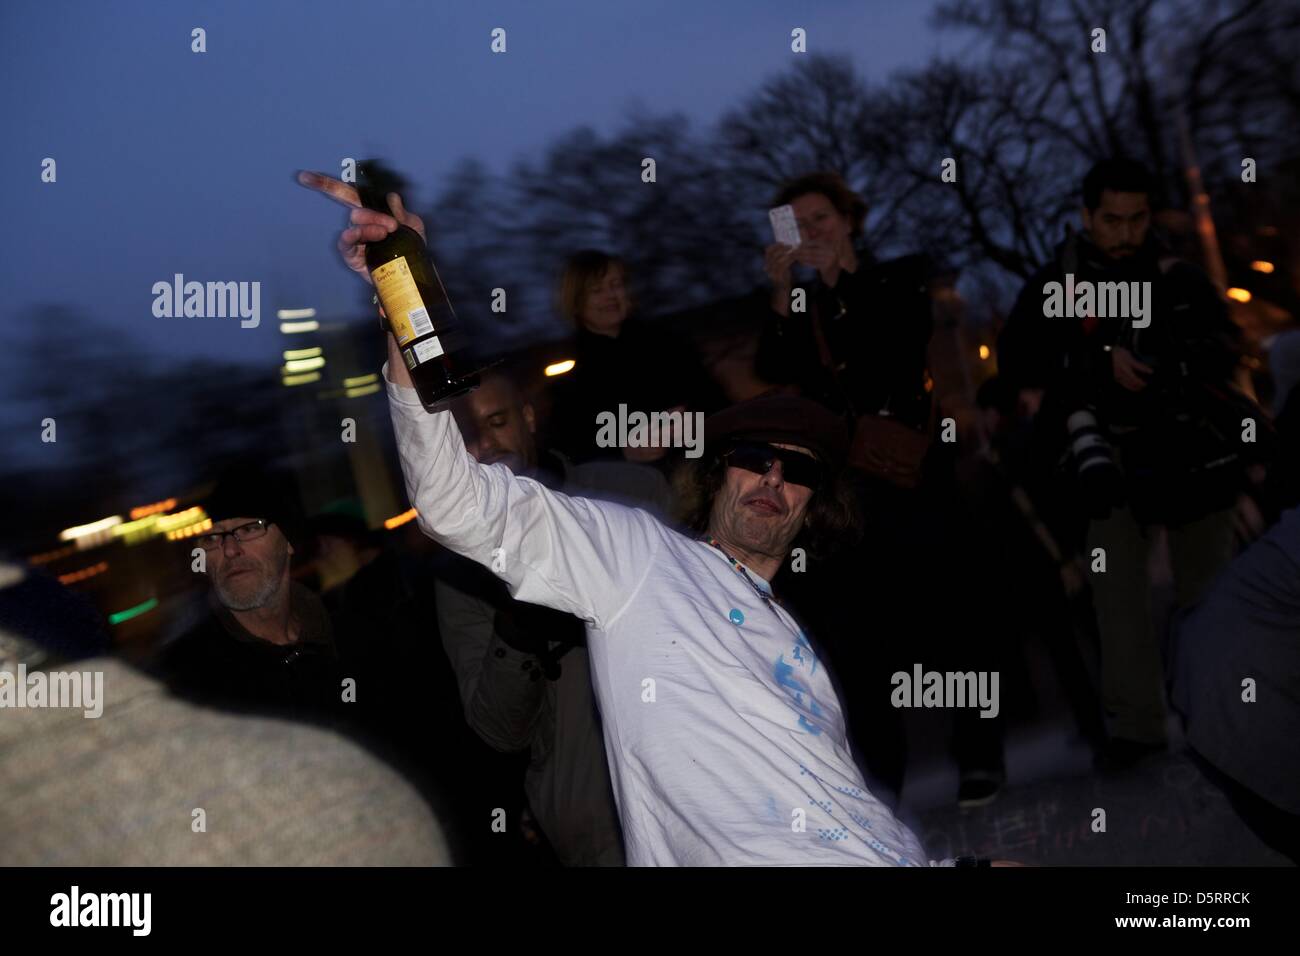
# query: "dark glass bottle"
{"type": "Point", "coordinates": [416, 308]}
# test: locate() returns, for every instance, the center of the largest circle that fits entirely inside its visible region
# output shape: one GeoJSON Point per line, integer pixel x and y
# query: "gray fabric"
{"type": "Point", "coordinates": [1248, 626]}
{"type": "Point", "coordinates": [567, 782]}
{"type": "Point", "coordinates": [119, 790]}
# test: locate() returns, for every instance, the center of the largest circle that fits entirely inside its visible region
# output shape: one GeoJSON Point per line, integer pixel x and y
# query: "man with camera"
{"type": "Point", "coordinates": [1145, 408]}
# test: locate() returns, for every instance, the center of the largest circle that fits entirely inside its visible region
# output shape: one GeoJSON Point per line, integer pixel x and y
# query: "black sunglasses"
{"type": "Point", "coordinates": [796, 467]}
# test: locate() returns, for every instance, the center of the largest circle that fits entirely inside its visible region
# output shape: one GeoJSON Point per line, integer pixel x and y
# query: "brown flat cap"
{"type": "Point", "coordinates": [788, 419]}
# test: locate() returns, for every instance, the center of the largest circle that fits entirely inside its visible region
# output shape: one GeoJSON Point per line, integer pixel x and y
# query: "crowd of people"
{"type": "Point", "coordinates": [602, 656]}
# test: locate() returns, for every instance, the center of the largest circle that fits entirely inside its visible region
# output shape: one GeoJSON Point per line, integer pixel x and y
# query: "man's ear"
{"type": "Point", "coordinates": [1087, 218]}
{"type": "Point", "coordinates": [530, 418]}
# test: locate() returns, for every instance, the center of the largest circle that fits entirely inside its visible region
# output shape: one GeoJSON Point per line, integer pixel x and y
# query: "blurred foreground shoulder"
{"type": "Point", "coordinates": [158, 781]}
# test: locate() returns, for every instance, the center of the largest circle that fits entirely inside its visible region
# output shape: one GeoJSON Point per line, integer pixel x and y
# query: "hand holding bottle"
{"type": "Point", "coordinates": [388, 250]}
{"type": "Point", "coordinates": [367, 225]}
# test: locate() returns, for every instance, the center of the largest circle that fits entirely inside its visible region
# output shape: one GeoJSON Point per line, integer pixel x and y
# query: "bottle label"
{"type": "Point", "coordinates": [401, 300]}
{"type": "Point", "coordinates": [428, 349]}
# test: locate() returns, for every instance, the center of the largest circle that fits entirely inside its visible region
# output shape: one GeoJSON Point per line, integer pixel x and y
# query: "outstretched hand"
{"type": "Point", "coordinates": [367, 225]}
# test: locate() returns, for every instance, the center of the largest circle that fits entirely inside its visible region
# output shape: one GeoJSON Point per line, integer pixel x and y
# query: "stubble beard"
{"type": "Point", "coordinates": [250, 595]}
{"type": "Point", "coordinates": [756, 535]}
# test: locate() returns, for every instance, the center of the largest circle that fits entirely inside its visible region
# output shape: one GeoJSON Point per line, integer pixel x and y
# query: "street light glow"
{"type": "Point", "coordinates": [398, 520]}
{"type": "Point", "coordinates": [303, 365]}
{"type": "Point", "coordinates": [290, 328]}
{"type": "Point", "coordinates": [86, 530]}
{"type": "Point", "coordinates": [292, 354]}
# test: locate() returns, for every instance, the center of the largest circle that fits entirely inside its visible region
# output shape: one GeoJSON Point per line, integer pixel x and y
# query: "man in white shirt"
{"type": "Point", "coordinates": [725, 737]}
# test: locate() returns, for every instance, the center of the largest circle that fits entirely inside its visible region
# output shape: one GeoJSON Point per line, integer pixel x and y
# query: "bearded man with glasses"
{"type": "Point", "coordinates": [258, 636]}
{"type": "Point", "coordinates": [259, 640]}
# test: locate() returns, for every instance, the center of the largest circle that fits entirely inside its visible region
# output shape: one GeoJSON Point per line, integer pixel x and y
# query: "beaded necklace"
{"type": "Point", "coordinates": [768, 599]}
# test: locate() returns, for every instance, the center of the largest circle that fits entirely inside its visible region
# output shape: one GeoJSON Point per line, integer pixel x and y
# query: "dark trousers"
{"type": "Point", "coordinates": [1132, 679]}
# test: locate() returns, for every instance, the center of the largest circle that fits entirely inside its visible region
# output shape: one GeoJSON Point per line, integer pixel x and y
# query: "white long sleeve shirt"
{"type": "Point", "coordinates": [725, 739]}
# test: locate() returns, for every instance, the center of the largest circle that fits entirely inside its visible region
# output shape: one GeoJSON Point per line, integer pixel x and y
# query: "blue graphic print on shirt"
{"type": "Point", "coordinates": [785, 673]}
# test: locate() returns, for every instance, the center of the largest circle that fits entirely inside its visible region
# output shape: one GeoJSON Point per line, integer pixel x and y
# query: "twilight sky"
{"type": "Point", "coordinates": [173, 161]}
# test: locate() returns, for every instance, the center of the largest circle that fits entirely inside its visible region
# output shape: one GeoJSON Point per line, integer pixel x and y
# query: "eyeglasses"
{"type": "Point", "coordinates": [245, 532]}
{"type": "Point", "coordinates": [758, 457]}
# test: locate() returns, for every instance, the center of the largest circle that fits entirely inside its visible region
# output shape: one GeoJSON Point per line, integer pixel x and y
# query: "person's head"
{"type": "Point", "coordinates": [825, 208]}
{"type": "Point", "coordinates": [1117, 206]}
{"type": "Point", "coordinates": [249, 567]}
{"type": "Point", "coordinates": [593, 292]}
{"type": "Point", "coordinates": [498, 425]}
{"type": "Point", "coordinates": [768, 478]}
{"type": "Point", "coordinates": [248, 548]}
{"type": "Point", "coordinates": [343, 545]}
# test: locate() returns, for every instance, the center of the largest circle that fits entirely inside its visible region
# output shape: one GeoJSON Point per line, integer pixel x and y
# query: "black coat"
{"type": "Point", "coordinates": [877, 324]}
{"type": "Point", "coordinates": [1189, 330]}
{"type": "Point", "coordinates": [216, 659]}
{"type": "Point", "coordinates": [1177, 441]}
{"type": "Point", "coordinates": [646, 368]}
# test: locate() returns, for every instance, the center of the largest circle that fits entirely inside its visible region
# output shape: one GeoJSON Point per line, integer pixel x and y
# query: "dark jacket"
{"type": "Point", "coordinates": [644, 368]}
{"type": "Point", "coordinates": [1190, 335]}
{"type": "Point", "coordinates": [877, 324]}
{"type": "Point", "coordinates": [380, 631]}
{"type": "Point", "coordinates": [1247, 626]}
{"type": "Point", "coordinates": [215, 658]}
{"type": "Point", "coordinates": [1177, 441]}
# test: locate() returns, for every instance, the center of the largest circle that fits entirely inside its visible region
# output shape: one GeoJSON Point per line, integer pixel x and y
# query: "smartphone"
{"type": "Point", "coordinates": [784, 227]}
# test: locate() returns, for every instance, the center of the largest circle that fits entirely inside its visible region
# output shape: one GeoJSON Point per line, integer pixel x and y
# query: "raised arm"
{"type": "Point", "coordinates": [577, 555]}
{"type": "Point", "coordinates": [583, 557]}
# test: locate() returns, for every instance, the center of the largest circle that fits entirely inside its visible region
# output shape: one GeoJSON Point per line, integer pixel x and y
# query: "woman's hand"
{"type": "Point", "coordinates": [778, 259]}
{"type": "Point", "coordinates": [823, 257]}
